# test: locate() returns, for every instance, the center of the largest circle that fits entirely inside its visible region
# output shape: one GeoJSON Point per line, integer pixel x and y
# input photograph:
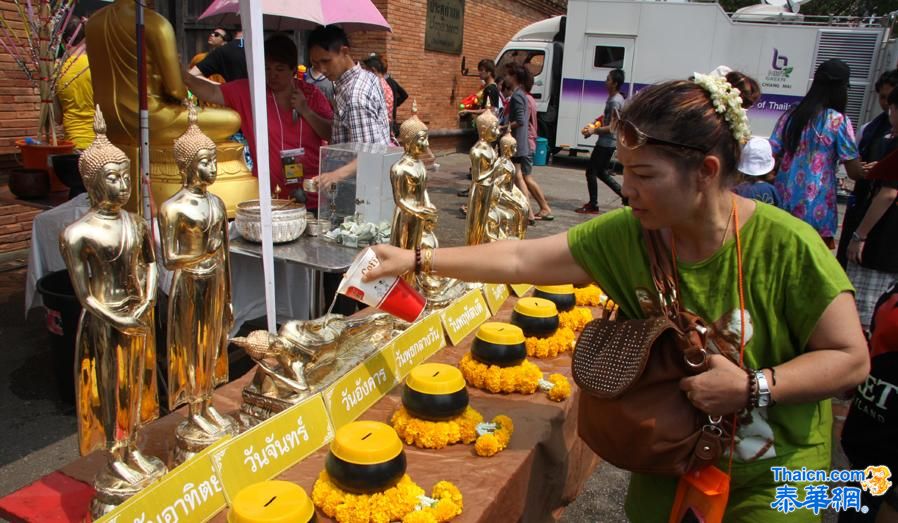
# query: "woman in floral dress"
{"type": "Point", "coordinates": [809, 142]}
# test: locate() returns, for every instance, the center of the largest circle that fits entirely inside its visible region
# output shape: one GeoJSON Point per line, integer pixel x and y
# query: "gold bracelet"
{"type": "Point", "coordinates": [426, 260]}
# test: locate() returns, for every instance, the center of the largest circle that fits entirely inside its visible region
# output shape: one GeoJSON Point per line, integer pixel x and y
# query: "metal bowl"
{"type": "Point", "coordinates": [288, 220]}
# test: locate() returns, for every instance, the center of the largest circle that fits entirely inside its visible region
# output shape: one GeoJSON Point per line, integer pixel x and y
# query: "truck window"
{"type": "Point", "coordinates": [608, 57]}
{"type": "Point", "coordinates": [532, 59]}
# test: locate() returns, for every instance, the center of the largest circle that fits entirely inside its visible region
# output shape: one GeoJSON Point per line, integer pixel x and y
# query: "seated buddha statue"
{"type": "Point", "coordinates": [111, 47]}
{"type": "Point", "coordinates": [508, 205]}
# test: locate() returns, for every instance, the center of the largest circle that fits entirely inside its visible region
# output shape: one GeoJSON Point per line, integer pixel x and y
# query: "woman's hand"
{"type": "Point", "coordinates": [393, 262]}
{"type": "Point", "coordinates": [720, 390]}
{"type": "Point", "coordinates": [855, 249]}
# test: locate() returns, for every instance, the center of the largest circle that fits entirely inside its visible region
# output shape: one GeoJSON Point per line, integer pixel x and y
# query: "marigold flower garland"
{"type": "Point", "coordinates": [524, 378]}
{"type": "Point", "coordinates": [575, 319]}
{"type": "Point", "coordinates": [404, 502]}
{"type": "Point", "coordinates": [589, 296]}
{"type": "Point", "coordinates": [562, 341]}
{"type": "Point", "coordinates": [468, 427]}
{"type": "Point", "coordinates": [493, 437]}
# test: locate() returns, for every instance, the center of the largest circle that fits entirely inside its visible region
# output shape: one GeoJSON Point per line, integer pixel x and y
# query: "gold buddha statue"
{"type": "Point", "coordinates": [112, 49]}
{"type": "Point", "coordinates": [408, 178]}
{"type": "Point", "coordinates": [109, 255]}
{"type": "Point", "coordinates": [509, 207]}
{"type": "Point", "coordinates": [483, 164]}
{"type": "Point", "coordinates": [306, 357]}
{"type": "Point", "coordinates": [193, 228]}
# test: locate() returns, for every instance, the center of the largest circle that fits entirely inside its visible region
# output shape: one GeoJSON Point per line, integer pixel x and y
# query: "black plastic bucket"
{"type": "Point", "coordinates": [63, 313]}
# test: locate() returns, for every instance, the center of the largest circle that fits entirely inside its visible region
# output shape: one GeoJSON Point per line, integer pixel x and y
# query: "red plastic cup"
{"type": "Point", "coordinates": [390, 294]}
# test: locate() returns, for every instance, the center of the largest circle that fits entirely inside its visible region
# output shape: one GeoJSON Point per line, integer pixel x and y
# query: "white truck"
{"type": "Point", "coordinates": [570, 57]}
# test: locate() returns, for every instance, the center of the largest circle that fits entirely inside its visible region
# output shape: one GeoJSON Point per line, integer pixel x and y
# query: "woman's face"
{"type": "Point", "coordinates": [660, 195]}
{"type": "Point", "coordinates": [278, 76]}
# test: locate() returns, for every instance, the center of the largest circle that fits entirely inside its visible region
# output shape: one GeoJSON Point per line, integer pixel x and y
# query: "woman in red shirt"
{"type": "Point", "coordinates": [299, 116]}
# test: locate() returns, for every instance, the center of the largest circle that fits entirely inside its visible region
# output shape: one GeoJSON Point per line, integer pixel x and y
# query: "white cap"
{"type": "Point", "coordinates": [757, 157]}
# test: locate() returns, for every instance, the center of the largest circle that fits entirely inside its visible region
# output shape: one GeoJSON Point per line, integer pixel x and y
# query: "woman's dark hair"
{"type": "Point", "coordinates": [375, 64]}
{"type": "Point", "coordinates": [328, 37]}
{"type": "Point", "coordinates": [681, 111]}
{"type": "Point", "coordinates": [893, 98]}
{"type": "Point", "coordinates": [824, 94]}
{"type": "Point", "coordinates": [487, 65]}
{"type": "Point", "coordinates": [70, 29]}
{"type": "Point", "coordinates": [281, 49]}
{"type": "Point", "coordinates": [748, 87]}
{"type": "Point", "coordinates": [889, 77]}
{"type": "Point", "coordinates": [520, 74]}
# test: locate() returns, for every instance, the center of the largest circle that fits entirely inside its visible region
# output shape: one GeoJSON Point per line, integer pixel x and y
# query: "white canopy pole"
{"type": "Point", "coordinates": [254, 40]}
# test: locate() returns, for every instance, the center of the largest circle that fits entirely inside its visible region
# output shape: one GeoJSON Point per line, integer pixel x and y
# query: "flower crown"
{"type": "Point", "coordinates": [727, 101]}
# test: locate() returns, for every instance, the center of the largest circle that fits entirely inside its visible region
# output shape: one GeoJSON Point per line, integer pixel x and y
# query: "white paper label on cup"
{"type": "Point", "coordinates": [370, 293]}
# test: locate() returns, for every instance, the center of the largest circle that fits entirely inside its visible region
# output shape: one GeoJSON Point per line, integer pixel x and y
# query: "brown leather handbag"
{"type": "Point", "coordinates": [633, 413]}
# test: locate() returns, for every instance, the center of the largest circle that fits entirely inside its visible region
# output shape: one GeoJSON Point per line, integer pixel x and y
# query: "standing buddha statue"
{"type": "Point", "coordinates": [194, 233]}
{"type": "Point", "coordinates": [483, 164]}
{"type": "Point", "coordinates": [109, 255]}
{"type": "Point", "coordinates": [408, 178]}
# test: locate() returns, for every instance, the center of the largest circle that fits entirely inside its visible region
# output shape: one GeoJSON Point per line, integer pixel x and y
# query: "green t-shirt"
{"type": "Point", "coordinates": [789, 278]}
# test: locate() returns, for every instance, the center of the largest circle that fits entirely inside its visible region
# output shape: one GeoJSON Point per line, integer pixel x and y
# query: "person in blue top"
{"type": "Point", "coordinates": [809, 142]}
{"type": "Point", "coordinates": [756, 166]}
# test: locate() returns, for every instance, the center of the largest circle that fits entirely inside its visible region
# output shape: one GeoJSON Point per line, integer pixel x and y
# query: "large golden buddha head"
{"type": "Point", "coordinates": [413, 133]}
{"type": "Point", "coordinates": [193, 145]}
{"type": "Point", "coordinates": [487, 124]}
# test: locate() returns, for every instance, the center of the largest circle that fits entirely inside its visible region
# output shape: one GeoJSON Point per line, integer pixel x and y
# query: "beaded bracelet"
{"type": "Point", "coordinates": [753, 391]}
{"type": "Point", "coordinates": [417, 260]}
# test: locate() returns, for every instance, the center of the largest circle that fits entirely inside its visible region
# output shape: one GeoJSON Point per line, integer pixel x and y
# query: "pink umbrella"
{"type": "Point", "coordinates": [351, 15]}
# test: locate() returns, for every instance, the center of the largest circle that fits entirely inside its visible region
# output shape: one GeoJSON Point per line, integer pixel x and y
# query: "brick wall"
{"type": "Point", "coordinates": [19, 102]}
{"type": "Point", "coordinates": [15, 226]}
{"type": "Point", "coordinates": [434, 79]}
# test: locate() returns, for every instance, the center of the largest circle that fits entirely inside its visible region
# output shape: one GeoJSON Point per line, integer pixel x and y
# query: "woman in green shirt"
{"type": "Point", "coordinates": [679, 154]}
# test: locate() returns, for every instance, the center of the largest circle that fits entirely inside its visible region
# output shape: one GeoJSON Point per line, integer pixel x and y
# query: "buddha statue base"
{"type": "Point", "coordinates": [112, 489]}
{"type": "Point", "coordinates": [453, 290]}
{"type": "Point", "coordinates": [235, 182]}
{"type": "Point", "coordinates": [191, 439]}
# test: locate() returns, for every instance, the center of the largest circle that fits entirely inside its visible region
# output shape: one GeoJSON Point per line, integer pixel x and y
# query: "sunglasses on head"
{"type": "Point", "coordinates": [216, 33]}
{"type": "Point", "coordinates": [633, 137]}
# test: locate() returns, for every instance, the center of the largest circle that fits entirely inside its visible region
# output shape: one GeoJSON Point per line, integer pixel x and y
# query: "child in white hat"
{"type": "Point", "coordinates": [756, 166]}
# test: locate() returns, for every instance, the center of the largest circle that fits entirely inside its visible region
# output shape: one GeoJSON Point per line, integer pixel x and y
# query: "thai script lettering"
{"type": "Point", "coordinates": [276, 448]}
{"type": "Point", "coordinates": [351, 398]}
{"type": "Point", "coordinates": [194, 497]}
{"type": "Point", "coordinates": [407, 356]}
{"type": "Point", "coordinates": [468, 315]}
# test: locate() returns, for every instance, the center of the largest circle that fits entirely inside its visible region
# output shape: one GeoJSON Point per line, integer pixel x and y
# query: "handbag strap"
{"type": "Point", "coordinates": [664, 275]}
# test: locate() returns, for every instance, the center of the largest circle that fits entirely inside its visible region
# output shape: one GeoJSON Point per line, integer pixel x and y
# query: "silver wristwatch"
{"type": "Point", "coordinates": [764, 398]}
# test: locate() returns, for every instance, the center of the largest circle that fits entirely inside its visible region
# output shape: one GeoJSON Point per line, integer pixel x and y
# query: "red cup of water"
{"type": "Point", "coordinates": [390, 294]}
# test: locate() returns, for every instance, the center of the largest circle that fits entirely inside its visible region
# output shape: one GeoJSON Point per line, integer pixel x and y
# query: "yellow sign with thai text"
{"type": "Point", "coordinates": [273, 446]}
{"type": "Point", "coordinates": [495, 294]}
{"type": "Point", "coordinates": [414, 346]}
{"type": "Point", "coordinates": [465, 315]}
{"type": "Point", "coordinates": [358, 389]}
{"type": "Point", "coordinates": [521, 289]}
{"type": "Point", "coordinates": [191, 493]}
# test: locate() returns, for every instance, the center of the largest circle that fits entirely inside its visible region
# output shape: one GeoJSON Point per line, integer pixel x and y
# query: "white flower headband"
{"type": "Point", "coordinates": [727, 101]}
